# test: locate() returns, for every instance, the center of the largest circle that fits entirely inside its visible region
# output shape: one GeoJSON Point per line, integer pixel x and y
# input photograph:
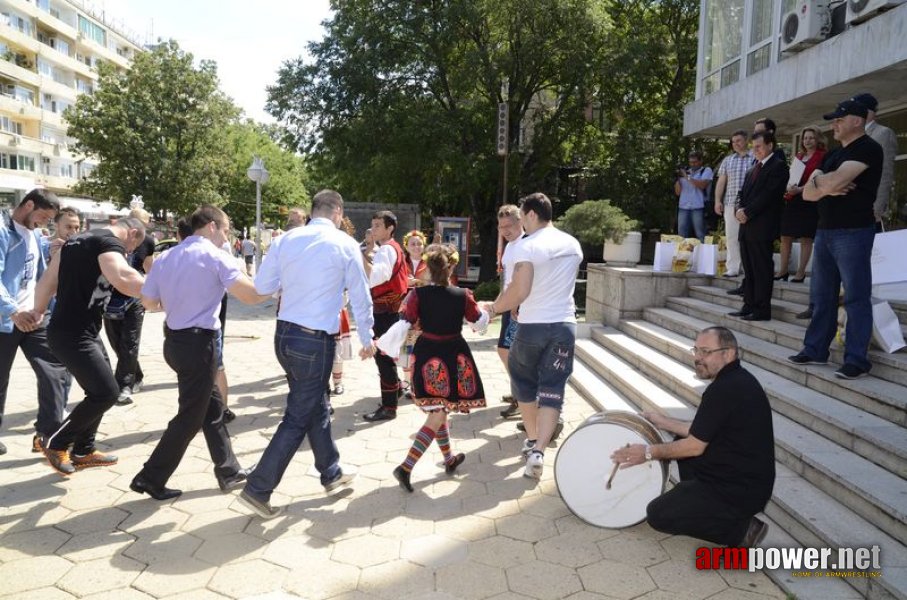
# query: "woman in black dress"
{"type": "Point", "coordinates": [445, 376]}
{"type": "Point", "coordinates": [800, 218]}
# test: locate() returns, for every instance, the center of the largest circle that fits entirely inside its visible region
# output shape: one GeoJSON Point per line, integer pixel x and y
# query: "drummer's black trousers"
{"type": "Point", "coordinates": [693, 508]}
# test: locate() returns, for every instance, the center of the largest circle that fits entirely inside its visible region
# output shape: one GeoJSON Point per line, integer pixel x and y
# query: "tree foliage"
{"type": "Point", "coordinates": [158, 130]}
{"type": "Point", "coordinates": [286, 187]}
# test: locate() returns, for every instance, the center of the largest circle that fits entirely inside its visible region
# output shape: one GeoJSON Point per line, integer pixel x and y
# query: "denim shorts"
{"type": "Point", "coordinates": [541, 361]}
{"type": "Point", "coordinates": [508, 331]}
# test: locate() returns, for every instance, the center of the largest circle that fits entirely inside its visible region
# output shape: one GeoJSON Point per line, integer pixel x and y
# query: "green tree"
{"type": "Point", "coordinates": [158, 130]}
{"type": "Point", "coordinates": [400, 100]}
{"type": "Point", "coordinates": [285, 188]}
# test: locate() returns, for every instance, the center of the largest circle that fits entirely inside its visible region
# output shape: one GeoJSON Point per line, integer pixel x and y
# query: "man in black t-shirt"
{"type": "Point", "coordinates": [726, 456]}
{"type": "Point", "coordinates": [845, 186]}
{"type": "Point", "coordinates": [124, 317]}
{"type": "Point", "coordinates": [89, 268]}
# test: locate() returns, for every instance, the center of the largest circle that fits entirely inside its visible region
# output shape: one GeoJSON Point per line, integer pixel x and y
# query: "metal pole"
{"type": "Point", "coordinates": [257, 225]}
{"type": "Point", "coordinates": [504, 195]}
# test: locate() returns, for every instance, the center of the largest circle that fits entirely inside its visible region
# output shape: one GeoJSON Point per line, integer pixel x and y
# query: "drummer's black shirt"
{"type": "Point", "coordinates": [735, 419]}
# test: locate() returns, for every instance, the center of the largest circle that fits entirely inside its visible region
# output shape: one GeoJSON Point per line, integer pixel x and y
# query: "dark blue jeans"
{"type": "Point", "coordinates": [691, 223]}
{"type": "Point", "coordinates": [307, 358]}
{"type": "Point", "coordinates": [841, 256]}
{"type": "Point", "coordinates": [541, 361]}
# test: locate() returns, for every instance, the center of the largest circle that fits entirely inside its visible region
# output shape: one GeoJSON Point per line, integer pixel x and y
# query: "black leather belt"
{"type": "Point", "coordinates": [317, 332]}
{"type": "Point", "coordinates": [193, 330]}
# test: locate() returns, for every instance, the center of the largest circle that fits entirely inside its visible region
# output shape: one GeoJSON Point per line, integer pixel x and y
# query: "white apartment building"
{"type": "Point", "coordinates": [793, 61]}
{"type": "Point", "coordinates": [49, 51]}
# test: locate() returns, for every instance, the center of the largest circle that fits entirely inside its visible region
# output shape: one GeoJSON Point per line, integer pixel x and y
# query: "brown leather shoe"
{"type": "Point", "coordinates": [59, 461]}
{"type": "Point", "coordinates": [95, 459]}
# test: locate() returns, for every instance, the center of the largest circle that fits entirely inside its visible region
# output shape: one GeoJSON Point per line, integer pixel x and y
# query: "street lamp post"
{"type": "Point", "coordinates": [259, 174]}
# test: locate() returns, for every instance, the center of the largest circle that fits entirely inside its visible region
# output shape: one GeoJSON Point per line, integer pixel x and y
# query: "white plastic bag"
{"type": "Point", "coordinates": [886, 329]}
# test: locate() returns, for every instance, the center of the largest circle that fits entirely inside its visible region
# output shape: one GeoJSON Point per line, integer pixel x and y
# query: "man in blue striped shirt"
{"type": "Point", "coordinates": [731, 175]}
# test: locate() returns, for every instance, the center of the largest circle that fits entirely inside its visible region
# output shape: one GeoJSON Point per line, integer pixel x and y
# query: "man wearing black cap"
{"type": "Point", "coordinates": [845, 187]}
{"type": "Point", "coordinates": [889, 143]}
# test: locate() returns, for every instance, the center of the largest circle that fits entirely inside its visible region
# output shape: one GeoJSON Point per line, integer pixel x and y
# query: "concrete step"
{"type": "Point", "coordinates": [872, 437]}
{"type": "Point", "coordinates": [782, 310]}
{"type": "Point", "coordinates": [797, 507]}
{"type": "Point", "coordinates": [878, 396]}
{"type": "Point", "coordinates": [798, 293]}
{"type": "Point", "coordinates": [891, 367]}
{"type": "Point", "coordinates": [817, 520]}
{"type": "Point", "coordinates": [871, 491]}
{"type": "Point", "coordinates": [593, 387]}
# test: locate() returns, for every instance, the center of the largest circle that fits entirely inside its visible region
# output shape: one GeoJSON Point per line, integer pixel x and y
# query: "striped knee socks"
{"type": "Point", "coordinates": [420, 444]}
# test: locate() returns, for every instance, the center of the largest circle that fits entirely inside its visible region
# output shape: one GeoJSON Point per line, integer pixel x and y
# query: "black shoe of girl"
{"type": "Point", "coordinates": [229, 415]}
{"type": "Point", "coordinates": [402, 476]}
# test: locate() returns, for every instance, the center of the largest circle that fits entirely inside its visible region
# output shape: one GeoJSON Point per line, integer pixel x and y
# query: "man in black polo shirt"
{"type": "Point", "coordinates": [845, 187]}
{"type": "Point", "coordinates": [726, 456]}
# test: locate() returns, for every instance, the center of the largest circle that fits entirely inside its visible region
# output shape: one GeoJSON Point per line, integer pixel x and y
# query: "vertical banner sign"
{"type": "Point", "coordinates": [503, 126]}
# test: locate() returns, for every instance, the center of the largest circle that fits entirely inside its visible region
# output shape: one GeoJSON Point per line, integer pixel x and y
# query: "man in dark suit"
{"type": "Point", "coordinates": [759, 214]}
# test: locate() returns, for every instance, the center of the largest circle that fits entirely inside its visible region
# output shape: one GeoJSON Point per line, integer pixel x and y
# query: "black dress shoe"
{"type": "Point", "coordinates": [143, 486]}
{"type": "Point", "coordinates": [784, 277]}
{"type": "Point", "coordinates": [402, 477]}
{"type": "Point", "coordinates": [233, 481]}
{"type": "Point", "coordinates": [738, 291]}
{"type": "Point", "coordinates": [740, 313]}
{"type": "Point", "coordinates": [229, 416]}
{"type": "Point", "coordinates": [755, 317]}
{"type": "Point", "coordinates": [382, 414]}
{"type": "Point", "coordinates": [451, 467]}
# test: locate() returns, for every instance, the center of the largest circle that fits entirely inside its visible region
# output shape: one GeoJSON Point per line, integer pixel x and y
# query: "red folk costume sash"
{"type": "Point", "coordinates": [388, 296]}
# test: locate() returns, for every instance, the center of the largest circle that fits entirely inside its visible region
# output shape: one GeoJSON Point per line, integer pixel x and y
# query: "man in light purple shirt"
{"type": "Point", "coordinates": [188, 282]}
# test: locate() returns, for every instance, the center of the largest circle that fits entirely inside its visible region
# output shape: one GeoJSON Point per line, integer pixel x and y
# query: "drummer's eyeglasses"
{"type": "Point", "coordinates": [706, 351]}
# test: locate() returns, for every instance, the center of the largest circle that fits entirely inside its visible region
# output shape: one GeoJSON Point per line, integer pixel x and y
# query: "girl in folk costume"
{"type": "Point", "coordinates": [445, 377]}
{"type": "Point", "coordinates": [416, 276]}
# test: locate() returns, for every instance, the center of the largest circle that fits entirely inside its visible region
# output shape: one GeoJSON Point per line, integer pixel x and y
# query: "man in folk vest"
{"type": "Point", "coordinates": [387, 278]}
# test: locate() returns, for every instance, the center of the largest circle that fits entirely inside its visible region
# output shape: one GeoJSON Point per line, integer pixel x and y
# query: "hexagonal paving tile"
{"type": "Point", "coordinates": [293, 551]}
{"type": "Point", "coordinates": [366, 550]}
{"type": "Point", "coordinates": [682, 577]}
{"type": "Point", "coordinates": [402, 528]}
{"type": "Point", "coordinates": [757, 583]}
{"type": "Point", "coordinates": [615, 579]}
{"type": "Point", "coordinates": [633, 550]}
{"type": "Point", "coordinates": [247, 578]}
{"type": "Point", "coordinates": [395, 579]}
{"type": "Point", "coordinates": [467, 528]}
{"type": "Point", "coordinates": [93, 521]}
{"type": "Point", "coordinates": [32, 573]}
{"type": "Point", "coordinates": [501, 552]}
{"type": "Point", "coordinates": [568, 549]}
{"type": "Point", "coordinates": [542, 580]}
{"type": "Point", "coordinates": [88, 546]}
{"type": "Point", "coordinates": [174, 576]}
{"type": "Point", "coordinates": [150, 515]}
{"type": "Point", "coordinates": [88, 498]}
{"type": "Point", "coordinates": [100, 575]}
{"type": "Point", "coordinates": [46, 593]}
{"type": "Point", "coordinates": [214, 523]}
{"type": "Point", "coordinates": [232, 547]}
{"type": "Point", "coordinates": [471, 580]}
{"type": "Point", "coordinates": [433, 550]}
{"type": "Point", "coordinates": [584, 595]}
{"type": "Point", "coordinates": [525, 527]}
{"type": "Point", "coordinates": [166, 547]}
{"type": "Point", "coordinates": [38, 542]}
{"type": "Point", "coordinates": [322, 579]}
{"type": "Point", "coordinates": [547, 507]}
{"type": "Point", "coordinates": [120, 594]}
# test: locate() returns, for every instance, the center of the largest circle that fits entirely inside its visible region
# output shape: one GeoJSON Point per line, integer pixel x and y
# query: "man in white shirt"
{"type": "Point", "coordinates": [889, 143]}
{"type": "Point", "coordinates": [311, 266]}
{"type": "Point", "coordinates": [387, 276]}
{"type": "Point", "coordinates": [22, 262]}
{"type": "Point", "coordinates": [541, 358]}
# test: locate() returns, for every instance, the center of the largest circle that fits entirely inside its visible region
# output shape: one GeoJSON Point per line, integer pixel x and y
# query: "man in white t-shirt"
{"type": "Point", "coordinates": [546, 262]}
{"type": "Point", "coordinates": [23, 262]}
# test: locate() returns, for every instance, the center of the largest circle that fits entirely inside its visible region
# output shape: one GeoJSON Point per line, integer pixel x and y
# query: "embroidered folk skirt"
{"type": "Point", "coordinates": [445, 376]}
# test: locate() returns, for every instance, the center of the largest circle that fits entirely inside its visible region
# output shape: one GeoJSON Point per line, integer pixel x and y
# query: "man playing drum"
{"type": "Point", "coordinates": [726, 456]}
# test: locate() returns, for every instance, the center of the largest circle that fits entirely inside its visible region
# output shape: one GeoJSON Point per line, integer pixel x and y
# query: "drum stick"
{"type": "Point", "coordinates": [614, 472]}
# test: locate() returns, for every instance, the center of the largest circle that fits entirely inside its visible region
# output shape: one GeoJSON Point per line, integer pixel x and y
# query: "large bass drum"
{"type": "Point", "coordinates": [587, 481]}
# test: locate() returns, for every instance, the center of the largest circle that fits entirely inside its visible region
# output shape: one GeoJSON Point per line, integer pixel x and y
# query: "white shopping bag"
{"type": "Point", "coordinates": [886, 329]}
{"type": "Point", "coordinates": [664, 255]}
{"type": "Point", "coordinates": [888, 251]}
{"type": "Point", "coordinates": [705, 259]}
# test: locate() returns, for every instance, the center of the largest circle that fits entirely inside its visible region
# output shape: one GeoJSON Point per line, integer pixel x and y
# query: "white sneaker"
{"type": "Point", "coordinates": [346, 475]}
{"type": "Point", "coordinates": [527, 448]}
{"type": "Point", "coordinates": [534, 465]}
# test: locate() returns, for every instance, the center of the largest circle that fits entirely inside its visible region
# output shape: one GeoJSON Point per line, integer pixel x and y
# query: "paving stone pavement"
{"type": "Point", "coordinates": [485, 533]}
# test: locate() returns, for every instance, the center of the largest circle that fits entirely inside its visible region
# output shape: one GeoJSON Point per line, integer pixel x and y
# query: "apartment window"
{"type": "Point", "coordinates": [45, 68]}
{"type": "Point", "coordinates": [17, 22]}
{"type": "Point", "coordinates": [83, 87]}
{"type": "Point", "coordinates": [760, 43]}
{"type": "Point", "coordinates": [43, 5]}
{"type": "Point", "coordinates": [45, 166]}
{"type": "Point", "coordinates": [66, 170]}
{"type": "Point", "coordinates": [17, 162]}
{"type": "Point", "coordinates": [723, 41]}
{"type": "Point", "coordinates": [92, 31]}
{"type": "Point", "coordinates": [10, 126]}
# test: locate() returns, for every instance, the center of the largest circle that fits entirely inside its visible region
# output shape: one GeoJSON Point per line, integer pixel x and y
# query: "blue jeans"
{"type": "Point", "coordinates": [690, 220]}
{"type": "Point", "coordinates": [307, 359]}
{"type": "Point", "coordinates": [841, 256]}
{"type": "Point", "coordinates": [541, 361]}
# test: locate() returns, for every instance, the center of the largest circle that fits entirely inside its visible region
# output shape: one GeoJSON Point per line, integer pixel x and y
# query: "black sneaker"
{"type": "Point", "coordinates": [260, 507]}
{"type": "Point", "coordinates": [806, 314]}
{"type": "Point", "coordinates": [735, 292]}
{"type": "Point", "coordinates": [232, 482]}
{"type": "Point", "coordinates": [755, 533]}
{"type": "Point", "coordinates": [805, 359]}
{"type": "Point", "coordinates": [511, 411]}
{"type": "Point", "coordinates": [851, 372]}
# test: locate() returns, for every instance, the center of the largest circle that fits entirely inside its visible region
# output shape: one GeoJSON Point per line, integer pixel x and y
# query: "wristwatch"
{"type": "Point", "coordinates": [648, 454]}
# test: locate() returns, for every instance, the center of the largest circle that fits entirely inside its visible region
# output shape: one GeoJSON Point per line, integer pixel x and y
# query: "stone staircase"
{"type": "Point", "coordinates": [841, 446]}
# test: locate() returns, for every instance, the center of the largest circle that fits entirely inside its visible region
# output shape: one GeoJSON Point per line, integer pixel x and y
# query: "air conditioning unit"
{"type": "Point", "coordinates": [805, 26]}
{"type": "Point", "coordinates": [16, 141]}
{"type": "Point", "coordinates": [861, 10]}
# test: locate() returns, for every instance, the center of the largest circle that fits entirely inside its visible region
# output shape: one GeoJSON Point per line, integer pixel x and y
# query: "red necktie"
{"type": "Point", "coordinates": [755, 172]}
